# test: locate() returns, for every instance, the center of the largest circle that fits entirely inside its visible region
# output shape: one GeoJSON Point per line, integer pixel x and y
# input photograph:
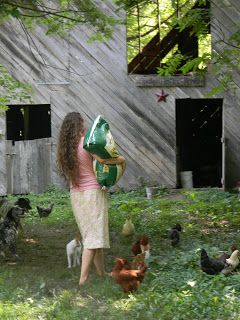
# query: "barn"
{"type": "Point", "coordinates": [163, 125]}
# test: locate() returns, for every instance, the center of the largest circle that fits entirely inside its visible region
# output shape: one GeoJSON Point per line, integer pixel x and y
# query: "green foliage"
{"type": "Point", "coordinates": [41, 287]}
{"type": "Point", "coordinates": [224, 59]}
{"type": "Point", "coordinates": [226, 63]}
{"type": "Point", "coordinates": [143, 24]}
{"type": "Point", "coordinates": [60, 16]}
{"type": "Point", "coordinates": [180, 64]}
{"type": "Point", "coordinates": [172, 66]}
{"type": "Point", "coordinates": [11, 90]}
{"type": "Point", "coordinates": [195, 65]}
{"type": "Point", "coordinates": [196, 19]}
{"type": "Point", "coordinates": [146, 18]}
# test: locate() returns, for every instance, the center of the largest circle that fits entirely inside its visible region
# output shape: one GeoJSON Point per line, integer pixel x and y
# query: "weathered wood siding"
{"type": "Point", "coordinates": [71, 74]}
{"type": "Point", "coordinates": [226, 17]}
{"type": "Point", "coordinates": [3, 173]}
{"type": "Point", "coordinates": [29, 165]}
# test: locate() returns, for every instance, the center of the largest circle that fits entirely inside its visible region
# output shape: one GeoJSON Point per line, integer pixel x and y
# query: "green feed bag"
{"type": "Point", "coordinates": [99, 141]}
{"type": "Point", "coordinates": [107, 174]}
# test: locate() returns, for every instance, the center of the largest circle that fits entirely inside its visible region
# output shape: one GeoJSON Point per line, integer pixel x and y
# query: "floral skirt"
{"type": "Point", "coordinates": [90, 208]}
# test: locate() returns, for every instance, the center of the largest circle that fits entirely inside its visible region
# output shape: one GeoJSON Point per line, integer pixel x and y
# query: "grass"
{"type": "Point", "coordinates": [41, 287]}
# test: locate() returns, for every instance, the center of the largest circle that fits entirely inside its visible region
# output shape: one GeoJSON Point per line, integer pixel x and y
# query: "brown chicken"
{"type": "Point", "coordinates": [141, 245]}
{"type": "Point", "coordinates": [129, 280]}
{"type": "Point", "coordinates": [138, 261]}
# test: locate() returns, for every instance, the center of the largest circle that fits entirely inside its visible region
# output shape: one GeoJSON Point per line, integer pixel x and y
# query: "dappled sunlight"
{"type": "Point", "coordinates": [224, 223]}
{"type": "Point", "coordinates": [41, 287]}
{"type": "Point", "coordinates": [80, 301]}
{"type": "Point", "coordinates": [22, 310]}
{"type": "Point", "coordinates": [191, 283]}
{"type": "Point", "coordinates": [31, 241]}
{"type": "Point", "coordinates": [125, 304]}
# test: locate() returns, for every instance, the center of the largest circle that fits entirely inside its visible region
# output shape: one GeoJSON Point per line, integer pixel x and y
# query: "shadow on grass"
{"type": "Point", "coordinates": [41, 287]}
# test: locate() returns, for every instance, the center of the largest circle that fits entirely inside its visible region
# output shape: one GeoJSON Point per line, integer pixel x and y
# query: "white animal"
{"type": "Point", "coordinates": [231, 263]}
{"type": "Point", "coordinates": [147, 254]}
{"type": "Point", "coordinates": [74, 250]}
{"type": "Point", "coordinates": [128, 227]}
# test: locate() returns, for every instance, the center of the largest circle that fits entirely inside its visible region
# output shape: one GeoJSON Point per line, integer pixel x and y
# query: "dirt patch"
{"type": "Point", "coordinates": [43, 264]}
{"type": "Point", "coordinates": [39, 241]}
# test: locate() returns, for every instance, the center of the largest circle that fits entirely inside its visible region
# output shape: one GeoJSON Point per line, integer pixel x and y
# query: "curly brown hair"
{"type": "Point", "coordinates": [71, 130]}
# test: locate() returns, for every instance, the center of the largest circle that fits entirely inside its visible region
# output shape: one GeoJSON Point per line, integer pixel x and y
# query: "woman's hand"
{"type": "Point", "coordinates": [100, 160]}
{"type": "Point", "coordinates": [117, 160]}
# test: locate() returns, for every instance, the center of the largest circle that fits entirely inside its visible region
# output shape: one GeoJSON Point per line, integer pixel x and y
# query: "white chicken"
{"type": "Point", "coordinates": [231, 263]}
{"type": "Point", "coordinates": [128, 227]}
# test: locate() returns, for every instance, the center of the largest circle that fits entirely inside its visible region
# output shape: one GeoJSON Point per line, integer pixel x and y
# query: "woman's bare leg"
{"type": "Point", "coordinates": [87, 259]}
{"type": "Point", "coordinates": [99, 262]}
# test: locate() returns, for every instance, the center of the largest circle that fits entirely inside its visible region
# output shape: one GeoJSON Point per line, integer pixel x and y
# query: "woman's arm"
{"type": "Point", "coordinates": [117, 160]}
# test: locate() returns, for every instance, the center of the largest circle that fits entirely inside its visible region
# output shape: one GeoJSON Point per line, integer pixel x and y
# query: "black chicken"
{"type": "Point", "coordinates": [174, 234]}
{"type": "Point", "coordinates": [44, 212]}
{"type": "Point", "coordinates": [209, 265]}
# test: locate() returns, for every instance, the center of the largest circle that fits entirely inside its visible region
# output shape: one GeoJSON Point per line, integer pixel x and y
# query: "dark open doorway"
{"type": "Point", "coordinates": [28, 122]}
{"type": "Point", "coordinates": [199, 147]}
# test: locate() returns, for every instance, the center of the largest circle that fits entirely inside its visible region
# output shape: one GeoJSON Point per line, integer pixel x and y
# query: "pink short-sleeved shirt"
{"type": "Point", "coordinates": [87, 179]}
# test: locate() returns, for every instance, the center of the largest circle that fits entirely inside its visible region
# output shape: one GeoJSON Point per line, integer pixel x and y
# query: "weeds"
{"type": "Point", "coordinates": [42, 288]}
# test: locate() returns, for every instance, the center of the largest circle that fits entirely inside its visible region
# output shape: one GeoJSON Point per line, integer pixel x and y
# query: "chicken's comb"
{"type": "Point", "coordinates": [144, 240]}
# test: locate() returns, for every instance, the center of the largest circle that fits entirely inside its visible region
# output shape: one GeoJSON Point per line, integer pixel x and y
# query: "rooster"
{"type": "Point", "coordinates": [44, 212]}
{"type": "Point", "coordinates": [231, 263]}
{"type": "Point", "coordinates": [174, 234]}
{"type": "Point", "coordinates": [209, 265]}
{"type": "Point", "coordinates": [141, 245]}
{"type": "Point", "coordinates": [129, 280]}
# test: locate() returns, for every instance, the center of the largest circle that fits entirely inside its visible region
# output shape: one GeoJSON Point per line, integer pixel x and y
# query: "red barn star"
{"type": "Point", "coordinates": [162, 96]}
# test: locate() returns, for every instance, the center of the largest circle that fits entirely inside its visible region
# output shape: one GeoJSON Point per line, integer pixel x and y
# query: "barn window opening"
{"type": "Point", "coordinates": [28, 122]}
{"type": "Point", "coordinates": [168, 37]}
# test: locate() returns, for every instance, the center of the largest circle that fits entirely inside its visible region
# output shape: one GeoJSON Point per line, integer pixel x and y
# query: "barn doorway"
{"type": "Point", "coordinates": [28, 122]}
{"type": "Point", "coordinates": [29, 148]}
{"type": "Point", "coordinates": [199, 140]}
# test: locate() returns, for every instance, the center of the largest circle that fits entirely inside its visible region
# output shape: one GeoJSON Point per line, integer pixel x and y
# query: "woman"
{"type": "Point", "coordinates": [89, 201]}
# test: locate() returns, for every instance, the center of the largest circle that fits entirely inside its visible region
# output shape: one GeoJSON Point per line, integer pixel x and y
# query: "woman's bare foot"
{"type": "Point", "coordinates": [82, 281]}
